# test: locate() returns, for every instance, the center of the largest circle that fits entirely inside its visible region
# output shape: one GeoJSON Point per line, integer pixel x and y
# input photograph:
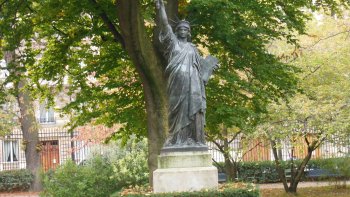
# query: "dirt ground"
{"type": "Point", "coordinates": [301, 184]}
{"type": "Point", "coordinates": [20, 194]}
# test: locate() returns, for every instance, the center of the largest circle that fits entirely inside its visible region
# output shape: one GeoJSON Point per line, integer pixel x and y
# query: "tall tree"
{"type": "Point", "coordinates": [321, 112]}
{"type": "Point", "coordinates": [115, 45]}
{"type": "Point", "coordinates": [16, 26]}
{"type": "Point", "coordinates": [27, 120]}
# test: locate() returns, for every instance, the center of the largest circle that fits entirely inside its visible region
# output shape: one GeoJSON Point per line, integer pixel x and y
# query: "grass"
{"type": "Point", "coordinates": [327, 191]}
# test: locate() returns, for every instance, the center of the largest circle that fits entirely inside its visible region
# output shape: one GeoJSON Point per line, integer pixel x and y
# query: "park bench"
{"type": "Point", "coordinates": [316, 173]}
{"type": "Point", "coordinates": [313, 173]}
{"type": "Point", "coordinates": [222, 177]}
{"type": "Point", "coordinates": [288, 174]}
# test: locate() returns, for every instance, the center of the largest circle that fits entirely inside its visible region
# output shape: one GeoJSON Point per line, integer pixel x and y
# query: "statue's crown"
{"type": "Point", "coordinates": [183, 23]}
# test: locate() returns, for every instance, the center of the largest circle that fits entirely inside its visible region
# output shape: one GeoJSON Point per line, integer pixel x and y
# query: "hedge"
{"type": "Point", "coordinates": [94, 179]}
{"type": "Point", "coordinates": [260, 172]}
{"type": "Point", "coordinates": [15, 180]}
{"type": "Point", "coordinates": [265, 171]}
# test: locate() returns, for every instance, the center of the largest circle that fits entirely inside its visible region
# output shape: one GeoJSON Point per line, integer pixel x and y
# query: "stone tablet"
{"type": "Point", "coordinates": [208, 65]}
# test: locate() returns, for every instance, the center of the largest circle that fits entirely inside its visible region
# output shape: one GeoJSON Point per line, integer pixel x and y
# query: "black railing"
{"type": "Point", "coordinates": [326, 150]}
{"type": "Point", "coordinates": [57, 146]}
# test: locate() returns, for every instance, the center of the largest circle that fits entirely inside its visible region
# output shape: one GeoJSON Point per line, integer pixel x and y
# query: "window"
{"type": "Point", "coordinates": [47, 115]}
{"type": "Point", "coordinates": [11, 150]}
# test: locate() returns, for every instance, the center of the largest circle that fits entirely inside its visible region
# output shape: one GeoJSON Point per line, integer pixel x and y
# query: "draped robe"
{"type": "Point", "coordinates": [185, 89]}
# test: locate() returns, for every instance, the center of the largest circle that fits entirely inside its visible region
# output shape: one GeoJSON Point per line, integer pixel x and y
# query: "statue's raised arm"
{"type": "Point", "coordinates": [163, 18]}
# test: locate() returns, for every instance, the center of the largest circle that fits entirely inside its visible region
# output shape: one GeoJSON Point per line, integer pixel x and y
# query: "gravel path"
{"type": "Point", "coordinates": [20, 194]}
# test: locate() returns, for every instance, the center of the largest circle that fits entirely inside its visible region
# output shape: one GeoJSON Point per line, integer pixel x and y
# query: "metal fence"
{"type": "Point", "coordinates": [58, 145]}
{"type": "Point", "coordinates": [260, 150]}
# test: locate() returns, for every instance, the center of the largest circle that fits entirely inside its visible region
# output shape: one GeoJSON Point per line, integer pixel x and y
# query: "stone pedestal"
{"type": "Point", "coordinates": [184, 171]}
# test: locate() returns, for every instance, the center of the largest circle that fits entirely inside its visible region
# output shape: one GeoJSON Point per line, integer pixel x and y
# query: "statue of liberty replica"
{"type": "Point", "coordinates": [187, 73]}
{"type": "Point", "coordinates": [184, 163]}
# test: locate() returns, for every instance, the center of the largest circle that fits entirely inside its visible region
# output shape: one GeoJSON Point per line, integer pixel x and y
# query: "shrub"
{"type": "Point", "coordinates": [129, 163]}
{"type": "Point", "coordinates": [339, 166]}
{"type": "Point", "coordinates": [118, 167]}
{"type": "Point", "coordinates": [209, 193]}
{"type": "Point", "coordinates": [260, 172]}
{"type": "Point", "coordinates": [132, 169]}
{"type": "Point", "coordinates": [227, 192]}
{"type": "Point", "coordinates": [265, 171]}
{"type": "Point", "coordinates": [15, 180]}
{"type": "Point", "coordinates": [227, 189]}
{"type": "Point", "coordinates": [95, 178]}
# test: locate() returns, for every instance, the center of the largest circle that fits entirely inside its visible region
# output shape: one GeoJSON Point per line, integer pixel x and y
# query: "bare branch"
{"type": "Point", "coordinates": [256, 145]}
{"type": "Point", "coordinates": [312, 72]}
{"type": "Point", "coordinates": [325, 38]}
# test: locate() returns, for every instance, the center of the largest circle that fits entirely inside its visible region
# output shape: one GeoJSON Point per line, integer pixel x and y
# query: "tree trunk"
{"type": "Point", "coordinates": [30, 134]}
{"type": "Point", "coordinates": [231, 169]}
{"type": "Point", "coordinates": [279, 169]}
{"type": "Point", "coordinates": [296, 175]}
{"type": "Point", "coordinates": [150, 69]}
{"type": "Point", "coordinates": [279, 150]}
{"type": "Point", "coordinates": [28, 125]}
{"type": "Point", "coordinates": [300, 171]}
{"type": "Point", "coordinates": [230, 165]}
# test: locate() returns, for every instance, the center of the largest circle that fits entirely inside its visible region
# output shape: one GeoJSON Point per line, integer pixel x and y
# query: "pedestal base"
{"type": "Point", "coordinates": [184, 171]}
{"type": "Point", "coordinates": [185, 179]}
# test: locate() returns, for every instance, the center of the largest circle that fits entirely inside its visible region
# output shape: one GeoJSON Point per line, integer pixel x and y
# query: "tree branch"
{"type": "Point", "coordinates": [258, 144]}
{"type": "Point", "coordinates": [312, 72]}
{"type": "Point", "coordinates": [319, 142]}
{"type": "Point", "coordinates": [325, 38]}
{"type": "Point", "coordinates": [60, 31]}
{"type": "Point", "coordinates": [234, 137]}
{"type": "Point", "coordinates": [217, 164]}
{"type": "Point", "coordinates": [2, 3]}
{"type": "Point", "coordinates": [117, 36]}
{"type": "Point", "coordinates": [307, 141]}
{"type": "Point", "coordinates": [220, 147]}
{"type": "Point", "coordinates": [53, 26]}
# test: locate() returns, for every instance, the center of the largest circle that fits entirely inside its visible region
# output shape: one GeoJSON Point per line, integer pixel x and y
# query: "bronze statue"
{"type": "Point", "coordinates": [187, 73]}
